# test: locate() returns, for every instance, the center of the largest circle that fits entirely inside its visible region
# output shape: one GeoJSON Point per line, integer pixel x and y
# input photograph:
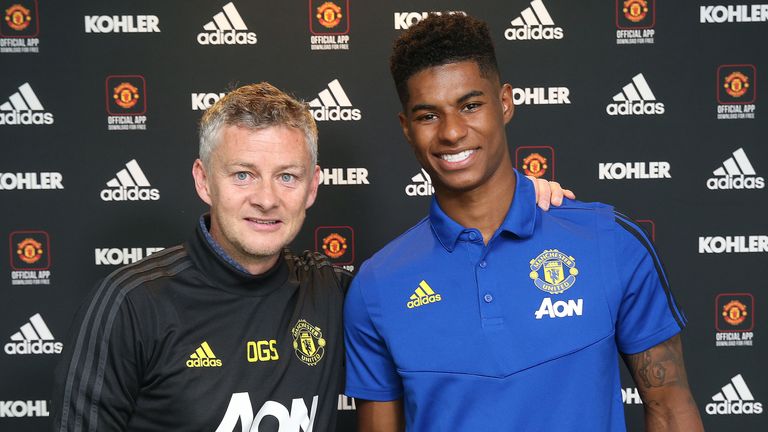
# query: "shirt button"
{"type": "Point", "coordinates": [488, 298]}
{"type": "Point", "coordinates": [483, 264]}
{"type": "Point", "coordinates": [472, 235]}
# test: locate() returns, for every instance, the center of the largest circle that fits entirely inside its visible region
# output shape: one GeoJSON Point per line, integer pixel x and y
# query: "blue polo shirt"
{"type": "Point", "coordinates": [523, 333]}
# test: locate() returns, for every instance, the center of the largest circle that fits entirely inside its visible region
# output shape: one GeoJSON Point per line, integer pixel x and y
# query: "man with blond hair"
{"type": "Point", "coordinates": [229, 330]}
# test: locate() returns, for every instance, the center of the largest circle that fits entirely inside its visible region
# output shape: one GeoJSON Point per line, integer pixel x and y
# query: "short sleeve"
{"type": "Point", "coordinates": [648, 314]}
{"type": "Point", "coordinates": [371, 372]}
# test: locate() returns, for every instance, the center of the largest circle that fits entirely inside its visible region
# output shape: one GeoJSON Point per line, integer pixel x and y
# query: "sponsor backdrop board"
{"type": "Point", "coordinates": [653, 106]}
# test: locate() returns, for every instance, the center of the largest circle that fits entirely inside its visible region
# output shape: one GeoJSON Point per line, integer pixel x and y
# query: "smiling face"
{"type": "Point", "coordinates": [259, 184]}
{"type": "Point", "coordinates": [454, 119]}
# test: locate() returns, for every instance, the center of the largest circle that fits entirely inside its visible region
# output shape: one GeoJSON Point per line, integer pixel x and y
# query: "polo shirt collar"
{"type": "Point", "coordinates": [519, 220]}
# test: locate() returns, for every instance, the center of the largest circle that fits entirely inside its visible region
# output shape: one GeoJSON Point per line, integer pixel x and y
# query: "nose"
{"type": "Point", "coordinates": [452, 128]}
{"type": "Point", "coordinates": [263, 195]}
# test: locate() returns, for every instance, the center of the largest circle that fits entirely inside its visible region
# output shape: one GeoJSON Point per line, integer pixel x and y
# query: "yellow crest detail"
{"type": "Point", "coordinates": [554, 265]}
{"type": "Point", "coordinates": [308, 342]}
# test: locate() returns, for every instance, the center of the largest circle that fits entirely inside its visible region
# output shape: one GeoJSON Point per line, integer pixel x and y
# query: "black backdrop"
{"type": "Point", "coordinates": [64, 62]}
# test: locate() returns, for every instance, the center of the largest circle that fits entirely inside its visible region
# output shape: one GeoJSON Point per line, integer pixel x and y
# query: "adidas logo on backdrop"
{"type": "Point", "coordinates": [24, 108]}
{"type": "Point", "coordinates": [423, 295]}
{"type": "Point", "coordinates": [130, 184]}
{"type": "Point", "coordinates": [226, 28]}
{"type": "Point", "coordinates": [203, 357]}
{"type": "Point", "coordinates": [635, 98]}
{"type": "Point", "coordinates": [421, 186]}
{"type": "Point", "coordinates": [736, 173]}
{"type": "Point", "coordinates": [33, 337]}
{"type": "Point", "coordinates": [534, 23]}
{"type": "Point", "coordinates": [333, 104]}
{"type": "Point", "coordinates": [734, 398]}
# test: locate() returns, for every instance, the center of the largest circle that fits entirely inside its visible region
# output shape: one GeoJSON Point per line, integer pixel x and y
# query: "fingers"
{"type": "Point", "coordinates": [545, 194]}
{"type": "Point", "coordinates": [549, 193]}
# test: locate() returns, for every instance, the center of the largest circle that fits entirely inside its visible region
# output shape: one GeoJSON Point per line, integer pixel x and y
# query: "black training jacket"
{"type": "Point", "coordinates": [183, 341]}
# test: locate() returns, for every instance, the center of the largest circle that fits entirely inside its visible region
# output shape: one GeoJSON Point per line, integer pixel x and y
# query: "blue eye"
{"type": "Point", "coordinates": [241, 176]}
{"type": "Point", "coordinates": [287, 178]}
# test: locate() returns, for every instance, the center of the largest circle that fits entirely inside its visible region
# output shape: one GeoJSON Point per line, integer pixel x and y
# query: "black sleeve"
{"type": "Point", "coordinates": [344, 278]}
{"type": "Point", "coordinates": [98, 378]}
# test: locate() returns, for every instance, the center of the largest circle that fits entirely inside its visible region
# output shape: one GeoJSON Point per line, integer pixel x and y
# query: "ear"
{"type": "Point", "coordinates": [201, 181]}
{"type": "Point", "coordinates": [405, 126]}
{"type": "Point", "coordinates": [313, 187]}
{"type": "Point", "coordinates": [508, 108]}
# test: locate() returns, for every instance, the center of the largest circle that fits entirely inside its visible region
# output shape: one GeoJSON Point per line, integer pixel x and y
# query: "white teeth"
{"type": "Point", "coordinates": [458, 157]}
{"type": "Point", "coordinates": [264, 222]}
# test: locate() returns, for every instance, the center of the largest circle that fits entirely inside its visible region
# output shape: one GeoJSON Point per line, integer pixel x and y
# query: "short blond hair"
{"type": "Point", "coordinates": [256, 106]}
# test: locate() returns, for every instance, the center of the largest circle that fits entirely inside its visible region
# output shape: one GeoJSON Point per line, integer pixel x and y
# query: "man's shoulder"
{"type": "Point", "coordinates": [623, 232]}
{"type": "Point", "coordinates": [307, 262]}
{"type": "Point", "coordinates": [148, 272]}
{"type": "Point", "coordinates": [578, 217]}
{"type": "Point", "coordinates": [574, 209]}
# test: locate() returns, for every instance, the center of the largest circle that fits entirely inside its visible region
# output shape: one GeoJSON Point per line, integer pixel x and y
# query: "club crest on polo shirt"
{"type": "Point", "coordinates": [553, 271]}
{"type": "Point", "coordinates": [308, 342]}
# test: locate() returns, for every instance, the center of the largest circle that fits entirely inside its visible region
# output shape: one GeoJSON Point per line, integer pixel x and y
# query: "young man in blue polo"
{"type": "Point", "coordinates": [490, 314]}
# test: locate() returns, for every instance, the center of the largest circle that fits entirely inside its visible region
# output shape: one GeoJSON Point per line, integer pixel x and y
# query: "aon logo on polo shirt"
{"type": "Point", "coordinates": [240, 411]}
{"type": "Point", "coordinates": [560, 308]}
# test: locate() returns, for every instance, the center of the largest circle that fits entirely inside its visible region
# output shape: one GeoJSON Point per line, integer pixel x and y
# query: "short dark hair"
{"type": "Point", "coordinates": [439, 40]}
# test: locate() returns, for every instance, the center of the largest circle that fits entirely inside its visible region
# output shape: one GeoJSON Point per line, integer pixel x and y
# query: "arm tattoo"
{"type": "Point", "coordinates": [658, 366]}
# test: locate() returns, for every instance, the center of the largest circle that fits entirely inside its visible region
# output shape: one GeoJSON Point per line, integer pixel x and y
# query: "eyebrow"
{"type": "Point", "coordinates": [427, 107]}
{"type": "Point", "coordinates": [285, 167]}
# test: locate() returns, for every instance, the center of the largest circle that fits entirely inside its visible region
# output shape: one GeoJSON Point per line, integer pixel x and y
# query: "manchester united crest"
{"type": "Point", "coordinates": [334, 245]}
{"type": "Point", "coordinates": [557, 269]}
{"type": "Point", "coordinates": [18, 17]}
{"type": "Point", "coordinates": [535, 165]}
{"type": "Point", "coordinates": [736, 84]}
{"type": "Point", "coordinates": [734, 312]}
{"type": "Point", "coordinates": [635, 10]}
{"type": "Point", "coordinates": [308, 342]}
{"type": "Point", "coordinates": [29, 250]}
{"type": "Point", "coordinates": [126, 95]}
{"type": "Point", "coordinates": [329, 15]}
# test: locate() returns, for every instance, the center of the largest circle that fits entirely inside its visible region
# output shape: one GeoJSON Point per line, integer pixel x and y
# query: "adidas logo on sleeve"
{"type": "Point", "coordinates": [635, 98]}
{"type": "Point", "coordinates": [24, 108]}
{"type": "Point", "coordinates": [226, 28]}
{"type": "Point", "coordinates": [130, 184]}
{"type": "Point", "coordinates": [333, 104]}
{"type": "Point", "coordinates": [734, 398]}
{"type": "Point", "coordinates": [33, 337]}
{"type": "Point", "coordinates": [534, 23]}
{"type": "Point", "coordinates": [203, 357]}
{"type": "Point", "coordinates": [736, 173]}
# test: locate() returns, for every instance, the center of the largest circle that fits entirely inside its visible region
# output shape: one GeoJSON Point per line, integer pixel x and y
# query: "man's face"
{"type": "Point", "coordinates": [259, 184]}
{"type": "Point", "coordinates": [454, 120]}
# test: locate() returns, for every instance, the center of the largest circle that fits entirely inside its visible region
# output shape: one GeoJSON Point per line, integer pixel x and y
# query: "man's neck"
{"type": "Point", "coordinates": [484, 207]}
